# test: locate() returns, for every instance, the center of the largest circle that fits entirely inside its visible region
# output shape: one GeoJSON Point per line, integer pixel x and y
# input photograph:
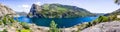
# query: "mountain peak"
{"type": "Point", "coordinates": [36, 4]}
{"type": "Point", "coordinates": [35, 9]}
{"type": "Point", "coordinates": [58, 11]}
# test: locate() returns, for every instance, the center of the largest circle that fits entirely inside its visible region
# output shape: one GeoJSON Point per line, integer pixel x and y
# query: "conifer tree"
{"type": "Point", "coordinates": [53, 27]}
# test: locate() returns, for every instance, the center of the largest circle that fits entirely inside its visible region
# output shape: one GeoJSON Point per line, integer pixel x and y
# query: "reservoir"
{"type": "Point", "coordinates": [61, 22]}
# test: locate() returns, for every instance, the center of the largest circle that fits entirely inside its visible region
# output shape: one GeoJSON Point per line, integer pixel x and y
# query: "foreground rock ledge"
{"type": "Point", "coordinates": [113, 26]}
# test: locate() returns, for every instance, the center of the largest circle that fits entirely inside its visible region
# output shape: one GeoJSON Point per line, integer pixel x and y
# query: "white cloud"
{"type": "Point", "coordinates": [24, 8]}
{"type": "Point", "coordinates": [38, 3]}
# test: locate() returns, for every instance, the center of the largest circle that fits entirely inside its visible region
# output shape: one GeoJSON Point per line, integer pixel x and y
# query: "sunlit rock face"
{"type": "Point", "coordinates": [4, 10]}
{"type": "Point", "coordinates": [104, 27]}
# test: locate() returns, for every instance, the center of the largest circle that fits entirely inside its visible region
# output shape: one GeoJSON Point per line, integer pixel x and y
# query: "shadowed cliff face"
{"type": "Point", "coordinates": [34, 11]}
{"type": "Point", "coordinates": [35, 8]}
{"type": "Point", "coordinates": [4, 10]}
{"type": "Point", "coordinates": [57, 11]}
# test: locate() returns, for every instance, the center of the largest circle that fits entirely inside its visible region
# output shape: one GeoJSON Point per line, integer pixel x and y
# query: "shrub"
{"type": "Point", "coordinates": [4, 30]}
{"type": "Point", "coordinates": [24, 30]}
{"type": "Point", "coordinates": [25, 25]}
{"type": "Point", "coordinates": [1, 22]}
{"type": "Point", "coordinates": [53, 27]}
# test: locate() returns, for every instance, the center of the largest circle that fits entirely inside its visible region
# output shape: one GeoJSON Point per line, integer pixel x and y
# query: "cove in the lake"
{"type": "Point", "coordinates": [61, 22]}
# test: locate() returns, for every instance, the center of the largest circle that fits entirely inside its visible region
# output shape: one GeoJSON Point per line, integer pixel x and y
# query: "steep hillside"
{"type": "Point", "coordinates": [4, 10]}
{"type": "Point", "coordinates": [116, 12]}
{"type": "Point", "coordinates": [57, 11]}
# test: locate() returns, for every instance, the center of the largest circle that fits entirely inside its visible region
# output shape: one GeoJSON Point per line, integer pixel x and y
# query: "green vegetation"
{"type": "Point", "coordinates": [25, 25]}
{"type": "Point", "coordinates": [4, 30]}
{"type": "Point", "coordinates": [6, 20]}
{"type": "Point", "coordinates": [24, 30]}
{"type": "Point", "coordinates": [100, 19]}
{"type": "Point", "coordinates": [61, 11]}
{"type": "Point", "coordinates": [10, 22]}
{"type": "Point", "coordinates": [53, 27]}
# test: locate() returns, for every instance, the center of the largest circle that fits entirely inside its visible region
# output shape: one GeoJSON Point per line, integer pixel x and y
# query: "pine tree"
{"type": "Point", "coordinates": [53, 27]}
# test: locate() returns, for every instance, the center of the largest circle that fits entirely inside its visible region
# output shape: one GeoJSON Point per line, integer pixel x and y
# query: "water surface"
{"type": "Point", "coordinates": [61, 22]}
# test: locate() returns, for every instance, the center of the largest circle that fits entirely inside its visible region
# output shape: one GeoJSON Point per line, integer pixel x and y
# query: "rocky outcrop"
{"type": "Point", "coordinates": [113, 26]}
{"type": "Point", "coordinates": [35, 9]}
{"type": "Point", "coordinates": [4, 10]}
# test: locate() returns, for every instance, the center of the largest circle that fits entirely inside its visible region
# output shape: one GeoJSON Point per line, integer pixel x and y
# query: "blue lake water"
{"type": "Point", "coordinates": [61, 22]}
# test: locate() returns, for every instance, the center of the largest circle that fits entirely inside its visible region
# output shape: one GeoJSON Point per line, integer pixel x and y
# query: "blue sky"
{"type": "Point", "coordinates": [94, 6]}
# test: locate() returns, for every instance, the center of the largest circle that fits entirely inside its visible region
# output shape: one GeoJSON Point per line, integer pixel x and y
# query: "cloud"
{"type": "Point", "coordinates": [38, 3]}
{"type": "Point", "coordinates": [24, 8]}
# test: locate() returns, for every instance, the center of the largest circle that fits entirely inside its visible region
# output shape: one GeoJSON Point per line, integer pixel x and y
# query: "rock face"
{"type": "Point", "coordinates": [34, 11]}
{"type": "Point", "coordinates": [104, 27]}
{"type": "Point", "coordinates": [57, 11]}
{"type": "Point", "coordinates": [4, 10]}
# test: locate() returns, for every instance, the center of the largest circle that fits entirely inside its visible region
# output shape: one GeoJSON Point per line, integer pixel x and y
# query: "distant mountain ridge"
{"type": "Point", "coordinates": [117, 12]}
{"type": "Point", "coordinates": [57, 11]}
{"type": "Point", "coordinates": [21, 13]}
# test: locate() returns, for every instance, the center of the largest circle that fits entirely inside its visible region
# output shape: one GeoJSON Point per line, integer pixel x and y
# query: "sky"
{"type": "Point", "coordinates": [94, 6]}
